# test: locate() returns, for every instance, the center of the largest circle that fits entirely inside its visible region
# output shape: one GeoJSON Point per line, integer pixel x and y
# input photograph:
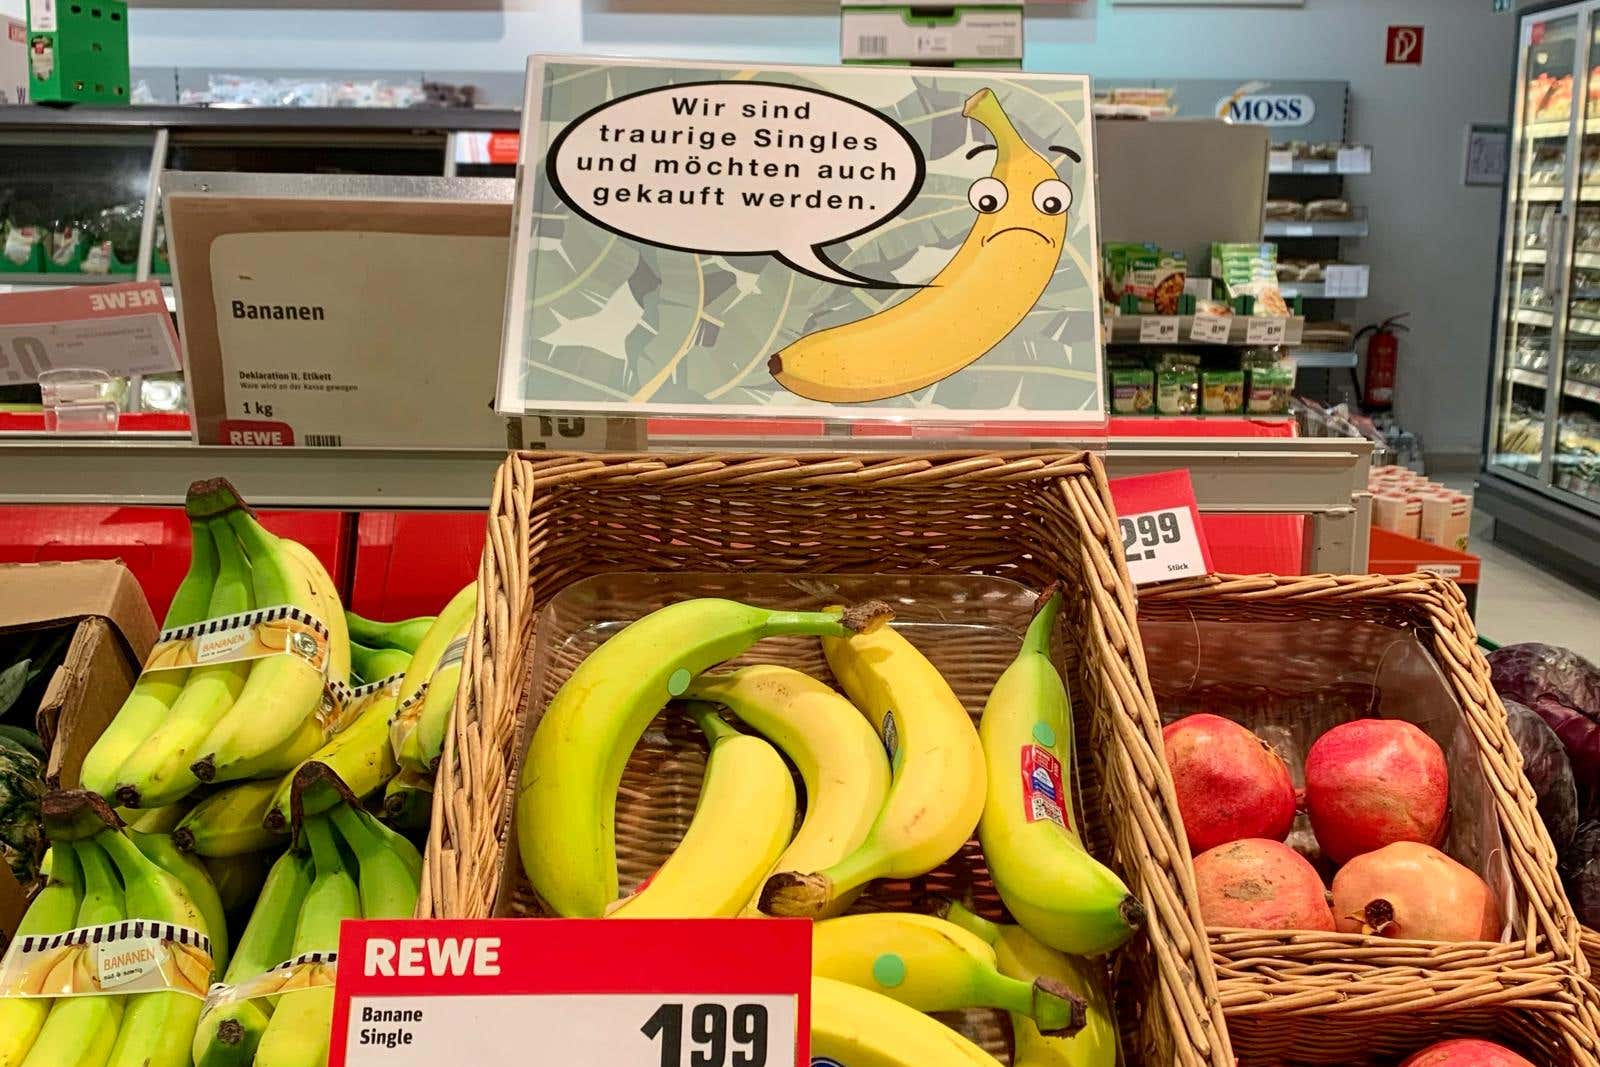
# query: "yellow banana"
{"type": "Point", "coordinates": [1020, 956]}
{"type": "Point", "coordinates": [859, 1028]}
{"type": "Point", "coordinates": [839, 758]}
{"type": "Point", "coordinates": [159, 849]}
{"type": "Point", "coordinates": [455, 618]}
{"type": "Point", "coordinates": [452, 619]}
{"type": "Point", "coordinates": [230, 822]}
{"type": "Point", "coordinates": [283, 691]}
{"type": "Point", "coordinates": [53, 911]}
{"type": "Point", "coordinates": [992, 282]}
{"type": "Point", "coordinates": [157, 772]}
{"type": "Point", "coordinates": [154, 692]}
{"type": "Point", "coordinates": [439, 702]}
{"type": "Point", "coordinates": [933, 965]}
{"type": "Point", "coordinates": [742, 822]}
{"type": "Point", "coordinates": [328, 595]}
{"type": "Point", "coordinates": [1049, 882]}
{"type": "Point", "coordinates": [566, 800]}
{"type": "Point", "coordinates": [936, 794]}
{"type": "Point", "coordinates": [359, 755]}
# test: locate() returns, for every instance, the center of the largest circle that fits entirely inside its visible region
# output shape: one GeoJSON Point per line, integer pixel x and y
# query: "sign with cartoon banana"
{"type": "Point", "coordinates": [852, 243]}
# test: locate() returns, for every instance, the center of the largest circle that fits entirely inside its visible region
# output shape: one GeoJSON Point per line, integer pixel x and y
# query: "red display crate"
{"type": "Point", "coordinates": [411, 562]}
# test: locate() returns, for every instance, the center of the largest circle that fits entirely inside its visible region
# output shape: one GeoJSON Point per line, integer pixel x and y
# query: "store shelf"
{"type": "Point", "coordinates": [1319, 360]}
{"type": "Point", "coordinates": [1586, 326]}
{"type": "Point", "coordinates": [1556, 128]}
{"type": "Point", "coordinates": [1355, 226]}
{"type": "Point", "coordinates": [1582, 390]}
{"type": "Point", "coordinates": [1529, 317]}
{"type": "Point", "coordinates": [1540, 194]}
{"type": "Point", "coordinates": [1319, 291]}
{"type": "Point", "coordinates": [1127, 330]}
{"type": "Point", "coordinates": [250, 119]}
{"type": "Point", "coordinates": [1539, 380]}
{"type": "Point", "coordinates": [1528, 377]}
{"type": "Point", "coordinates": [1352, 159]}
{"type": "Point", "coordinates": [60, 278]}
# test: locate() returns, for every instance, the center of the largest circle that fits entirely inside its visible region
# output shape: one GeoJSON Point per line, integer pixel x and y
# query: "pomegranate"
{"type": "Point", "coordinates": [1260, 885]}
{"type": "Point", "coordinates": [1230, 783]}
{"type": "Point", "coordinates": [1372, 782]}
{"type": "Point", "coordinates": [1414, 891]}
{"type": "Point", "coordinates": [1466, 1052]}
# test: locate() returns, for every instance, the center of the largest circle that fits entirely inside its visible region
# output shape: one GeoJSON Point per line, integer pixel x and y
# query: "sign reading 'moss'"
{"type": "Point", "coordinates": [846, 242]}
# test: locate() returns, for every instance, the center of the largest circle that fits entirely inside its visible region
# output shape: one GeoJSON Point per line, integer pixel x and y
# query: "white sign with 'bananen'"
{"type": "Point", "coordinates": [856, 243]}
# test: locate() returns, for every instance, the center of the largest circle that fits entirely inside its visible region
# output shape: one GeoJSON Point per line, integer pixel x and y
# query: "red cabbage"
{"type": "Point", "coordinates": [1564, 689]}
{"type": "Point", "coordinates": [1544, 762]}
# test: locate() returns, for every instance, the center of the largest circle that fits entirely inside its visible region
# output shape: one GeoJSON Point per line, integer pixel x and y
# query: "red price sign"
{"type": "Point", "coordinates": [585, 992]}
{"type": "Point", "coordinates": [1160, 525]}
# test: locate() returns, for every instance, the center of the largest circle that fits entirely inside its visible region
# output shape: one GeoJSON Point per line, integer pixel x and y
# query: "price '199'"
{"type": "Point", "coordinates": [718, 1036]}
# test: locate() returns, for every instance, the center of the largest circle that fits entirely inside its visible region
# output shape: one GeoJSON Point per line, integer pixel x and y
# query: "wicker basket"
{"type": "Point", "coordinates": [1034, 517]}
{"type": "Point", "coordinates": [1321, 998]}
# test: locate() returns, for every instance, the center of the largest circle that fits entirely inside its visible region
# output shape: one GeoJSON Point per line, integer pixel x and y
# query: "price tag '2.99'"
{"type": "Point", "coordinates": [645, 993]}
{"type": "Point", "coordinates": [1160, 527]}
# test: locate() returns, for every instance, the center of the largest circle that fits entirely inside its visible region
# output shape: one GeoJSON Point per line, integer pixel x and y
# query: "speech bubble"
{"type": "Point", "coordinates": [739, 169]}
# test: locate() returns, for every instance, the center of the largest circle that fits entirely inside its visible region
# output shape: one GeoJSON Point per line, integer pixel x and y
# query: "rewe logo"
{"type": "Point", "coordinates": [1268, 109]}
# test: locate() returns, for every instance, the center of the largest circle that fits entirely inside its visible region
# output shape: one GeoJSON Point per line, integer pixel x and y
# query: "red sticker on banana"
{"type": "Point", "coordinates": [1043, 799]}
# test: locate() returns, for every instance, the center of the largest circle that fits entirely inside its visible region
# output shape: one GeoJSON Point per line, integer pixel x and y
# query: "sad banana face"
{"type": "Point", "coordinates": [999, 272]}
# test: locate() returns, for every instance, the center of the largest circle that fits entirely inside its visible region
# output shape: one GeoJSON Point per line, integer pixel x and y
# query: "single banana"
{"type": "Point", "coordinates": [159, 849]}
{"type": "Point", "coordinates": [54, 910]}
{"type": "Point", "coordinates": [230, 822]}
{"type": "Point", "coordinates": [408, 801]}
{"type": "Point", "coordinates": [374, 664]}
{"type": "Point", "coordinates": [359, 756]}
{"type": "Point", "coordinates": [238, 881]}
{"type": "Point", "coordinates": [228, 1035]}
{"type": "Point", "coordinates": [451, 620]}
{"type": "Point", "coordinates": [440, 701]}
{"type": "Point", "coordinates": [298, 1034]}
{"type": "Point", "coordinates": [396, 842]}
{"type": "Point", "coordinates": [856, 1027]}
{"type": "Point", "coordinates": [162, 820]}
{"type": "Point", "coordinates": [839, 758]}
{"type": "Point", "coordinates": [387, 884]}
{"type": "Point", "coordinates": [156, 1027]}
{"type": "Point", "coordinates": [566, 800]}
{"type": "Point", "coordinates": [154, 692]}
{"type": "Point", "coordinates": [1047, 879]}
{"type": "Point", "coordinates": [157, 773]}
{"type": "Point", "coordinates": [936, 794]}
{"type": "Point", "coordinates": [404, 635]}
{"type": "Point", "coordinates": [328, 594]}
{"type": "Point", "coordinates": [74, 1034]}
{"type": "Point", "coordinates": [743, 820]}
{"type": "Point", "coordinates": [997, 275]}
{"type": "Point", "coordinates": [934, 965]}
{"type": "Point", "coordinates": [283, 691]}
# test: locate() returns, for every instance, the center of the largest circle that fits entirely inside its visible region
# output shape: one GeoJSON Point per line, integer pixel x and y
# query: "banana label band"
{"type": "Point", "coordinates": [113, 959]}
{"type": "Point", "coordinates": [406, 715]}
{"type": "Point", "coordinates": [305, 971]}
{"type": "Point", "coordinates": [342, 705]}
{"type": "Point", "coordinates": [1042, 799]}
{"type": "Point", "coordinates": [279, 631]}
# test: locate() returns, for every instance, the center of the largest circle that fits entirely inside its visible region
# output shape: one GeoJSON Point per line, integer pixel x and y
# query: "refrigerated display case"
{"type": "Point", "coordinates": [1541, 478]}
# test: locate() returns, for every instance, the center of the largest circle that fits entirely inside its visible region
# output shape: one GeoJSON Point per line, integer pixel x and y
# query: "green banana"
{"type": "Point", "coordinates": [566, 801]}
{"type": "Point", "coordinates": [162, 820]}
{"type": "Point", "coordinates": [408, 800]}
{"type": "Point", "coordinates": [359, 756]}
{"type": "Point", "coordinates": [375, 664]}
{"type": "Point", "coordinates": [156, 1027]}
{"type": "Point", "coordinates": [396, 842]}
{"type": "Point", "coordinates": [404, 635]}
{"type": "Point", "coordinates": [1045, 876]}
{"type": "Point", "coordinates": [300, 1028]}
{"type": "Point", "coordinates": [157, 772]}
{"type": "Point", "coordinates": [228, 1035]}
{"type": "Point", "coordinates": [404, 733]}
{"type": "Point", "coordinates": [386, 881]}
{"type": "Point", "coordinates": [229, 822]}
{"type": "Point", "coordinates": [155, 691]}
{"type": "Point", "coordinates": [282, 692]}
{"type": "Point", "coordinates": [159, 849]}
{"type": "Point", "coordinates": [437, 705]}
{"type": "Point", "coordinates": [238, 880]}
{"type": "Point", "coordinates": [53, 911]}
{"type": "Point", "coordinates": [77, 1026]}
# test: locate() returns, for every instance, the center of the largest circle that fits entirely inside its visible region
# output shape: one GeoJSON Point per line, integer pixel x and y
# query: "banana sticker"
{"type": "Point", "coordinates": [999, 272]}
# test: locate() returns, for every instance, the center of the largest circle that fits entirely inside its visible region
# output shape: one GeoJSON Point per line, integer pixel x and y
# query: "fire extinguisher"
{"type": "Point", "coordinates": [1383, 352]}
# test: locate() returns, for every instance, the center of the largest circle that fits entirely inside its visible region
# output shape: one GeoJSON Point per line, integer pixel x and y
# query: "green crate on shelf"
{"type": "Point", "coordinates": [78, 51]}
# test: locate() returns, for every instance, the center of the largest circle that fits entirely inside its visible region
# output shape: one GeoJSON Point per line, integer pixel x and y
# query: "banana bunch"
{"type": "Point", "coordinates": [228, 720]}
{"type": "Point", "coordinates": [103, 874]}
{"type": "Point", "coordinates": [277, 1011]}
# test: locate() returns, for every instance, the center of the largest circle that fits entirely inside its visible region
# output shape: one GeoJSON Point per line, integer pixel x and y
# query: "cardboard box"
{"type": "Point", "coordinates": [113, 632]}
{"type": "Point", "coordinates": [987, 33]}
{"type": "Point", "coordinates": [13, 61]}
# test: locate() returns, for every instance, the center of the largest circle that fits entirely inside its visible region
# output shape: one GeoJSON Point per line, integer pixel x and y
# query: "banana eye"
{"type": "Point", "coordinates": [987, 195]}
{"type": "Point", "coordinates": [1052, 196]}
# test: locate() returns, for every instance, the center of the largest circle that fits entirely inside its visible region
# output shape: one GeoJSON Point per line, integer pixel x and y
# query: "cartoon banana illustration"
{"type": "Point", "coordinates": [980, 296]}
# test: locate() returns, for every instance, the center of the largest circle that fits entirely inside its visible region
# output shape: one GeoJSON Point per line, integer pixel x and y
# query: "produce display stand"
{"type": "Point", "coordinates": [557, 518]}
{"type": "Point", "coordinates": [1334, 998]}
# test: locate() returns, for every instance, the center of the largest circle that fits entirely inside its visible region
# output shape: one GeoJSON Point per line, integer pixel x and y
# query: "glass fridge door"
{"type": "Point", "coordinates": [1538, 231]}
{"type": "Point", "coordinates": [1575, 405]}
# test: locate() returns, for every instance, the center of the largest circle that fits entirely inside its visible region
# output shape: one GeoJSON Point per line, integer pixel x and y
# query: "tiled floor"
{"type": "Point", "coordinates": [1518, 601]}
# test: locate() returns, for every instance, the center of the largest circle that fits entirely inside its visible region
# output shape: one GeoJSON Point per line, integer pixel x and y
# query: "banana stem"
{"type": "Point", "coordinates": [1043, 625]}
{"type": "Point", "coordinates": [74, 814]}
{"type": "Point", "coordinates": [714, 726]}
{"type": "Point", "coordinates": [835, 622]}
{"type": "Point", "coordinates": [956, 912]}
{"type": "Point", "coordinates": [324, 849]}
